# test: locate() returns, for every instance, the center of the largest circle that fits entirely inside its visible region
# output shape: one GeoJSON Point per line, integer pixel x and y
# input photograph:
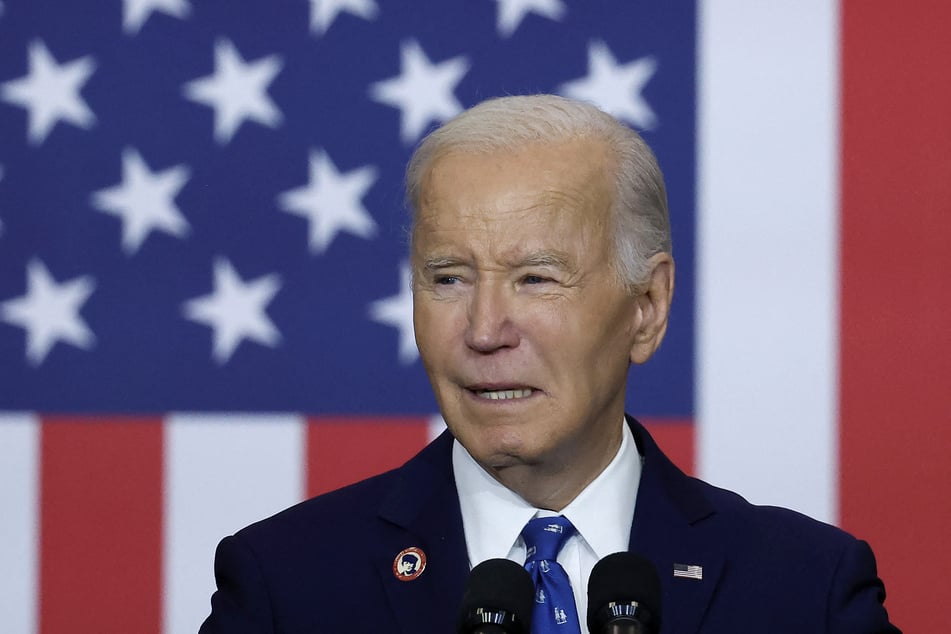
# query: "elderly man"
{"type": "Point", "coordinates": [542, 269]}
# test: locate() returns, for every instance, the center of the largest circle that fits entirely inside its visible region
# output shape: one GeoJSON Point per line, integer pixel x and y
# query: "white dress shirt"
{"type": "Point", "coordinates": [493, 516]}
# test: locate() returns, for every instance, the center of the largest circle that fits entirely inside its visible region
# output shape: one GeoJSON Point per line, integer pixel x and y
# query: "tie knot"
{"type": "Point", "coordinates": [544, 537]}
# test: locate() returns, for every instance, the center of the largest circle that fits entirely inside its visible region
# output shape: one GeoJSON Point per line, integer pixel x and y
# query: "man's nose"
{"type": "Point", "coordinates": [491, 326]}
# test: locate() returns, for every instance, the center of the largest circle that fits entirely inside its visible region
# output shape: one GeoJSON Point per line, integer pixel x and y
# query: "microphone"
{"type": "Point", "coordinates": [624, 596]}
{"type": "Point", "coordinates": [499, 599]}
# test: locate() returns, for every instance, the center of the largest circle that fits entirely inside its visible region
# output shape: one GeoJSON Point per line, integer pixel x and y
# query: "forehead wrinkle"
{"type": "Point", "coordinates": [559, 198]}
{"type": "Point", "coordinates": [549, 199]}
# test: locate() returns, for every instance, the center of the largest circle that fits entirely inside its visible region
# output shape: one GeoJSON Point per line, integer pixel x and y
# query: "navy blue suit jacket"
{"type": "Point", "coordinates": [326, 565]}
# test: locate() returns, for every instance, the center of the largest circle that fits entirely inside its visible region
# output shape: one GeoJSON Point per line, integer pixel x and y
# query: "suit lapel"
{"type": "Point", "coordinates": [669, 529]}
{"type": "Point", "coordinates": [422, 511]}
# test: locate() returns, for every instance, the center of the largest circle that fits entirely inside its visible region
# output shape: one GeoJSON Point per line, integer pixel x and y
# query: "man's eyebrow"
{"type": "Point", "coordinates": [554, 259]}
{"type": "Point", "coordinates": [440, 262]}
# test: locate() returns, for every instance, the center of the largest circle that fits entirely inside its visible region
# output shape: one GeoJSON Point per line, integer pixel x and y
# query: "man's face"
{"type": "Point", "coordinates": [522, 325]}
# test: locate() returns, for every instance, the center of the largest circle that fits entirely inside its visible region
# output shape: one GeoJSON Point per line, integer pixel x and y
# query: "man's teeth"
{"type": "Point", "coordinates": [501, 395]}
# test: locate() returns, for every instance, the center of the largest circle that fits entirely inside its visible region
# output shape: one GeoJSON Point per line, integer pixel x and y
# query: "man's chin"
{"type": "Point", "coordinates": [505, 456]}
{"type": "Point", "coordinates": [499, 445]}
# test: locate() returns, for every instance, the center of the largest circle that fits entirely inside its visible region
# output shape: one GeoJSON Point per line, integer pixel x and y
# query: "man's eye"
{"type": "Point", "coordinates": [446, 280]}
{"type": "Point", "coordinates": [534, 279]}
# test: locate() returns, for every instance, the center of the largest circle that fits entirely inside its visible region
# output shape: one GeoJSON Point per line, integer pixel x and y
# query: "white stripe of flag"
{"type": "Point", "coordinates": [767, 252]}
{"type": "Point", "coordinates": [19, 521]}
{"type": "Point", "coordinates": [222, 472]}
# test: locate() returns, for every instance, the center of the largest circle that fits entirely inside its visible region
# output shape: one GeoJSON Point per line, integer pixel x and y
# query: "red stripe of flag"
{"type": "Point", "coordinates": [677, 439]}
{"type": "Point", "coordinates": [895, 392]}
{"type": "Point", "coordinates": [100, 525]}
{"type": "Point", "coordinates": [343, 450]}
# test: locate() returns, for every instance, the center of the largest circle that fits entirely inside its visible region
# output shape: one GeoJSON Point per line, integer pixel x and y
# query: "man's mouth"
{"type": "Point", "coordinates": [504, 395]}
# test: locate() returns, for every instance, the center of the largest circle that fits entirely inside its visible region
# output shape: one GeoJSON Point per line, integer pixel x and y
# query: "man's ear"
{"type": "Point", "coordinates": [653, 308]}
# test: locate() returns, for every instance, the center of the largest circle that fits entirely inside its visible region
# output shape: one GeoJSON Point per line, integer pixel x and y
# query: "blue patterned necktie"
{"type": "Point", "coordinates": [555, 611]}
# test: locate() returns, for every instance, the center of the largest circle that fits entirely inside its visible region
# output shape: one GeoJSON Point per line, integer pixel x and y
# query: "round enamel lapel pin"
{"type": "Point", "coordinates": [409, 564]}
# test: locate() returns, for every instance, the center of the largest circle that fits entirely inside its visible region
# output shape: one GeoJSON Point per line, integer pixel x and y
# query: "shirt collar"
{"type": "Point", "coordinates": [493, 516]}
{"type": "Point", "coordinates": [604, 511]}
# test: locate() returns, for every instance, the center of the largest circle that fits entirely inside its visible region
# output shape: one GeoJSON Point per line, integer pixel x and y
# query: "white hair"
{"type": "Point", "coordinates": [507, 124]}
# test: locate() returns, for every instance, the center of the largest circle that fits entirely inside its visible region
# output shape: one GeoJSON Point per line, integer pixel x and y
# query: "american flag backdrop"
{"type": "Point", "coordinates": [205, 313]}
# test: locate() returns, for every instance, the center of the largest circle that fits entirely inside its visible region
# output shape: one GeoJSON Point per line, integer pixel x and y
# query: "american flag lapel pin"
{"type": "Point", "coordinates": [684, 571]}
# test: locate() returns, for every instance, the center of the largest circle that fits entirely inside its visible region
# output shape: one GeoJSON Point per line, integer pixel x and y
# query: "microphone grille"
{"type": "Point", "coordinates": [499, 585]}
{"type": "Point", "coordinates": [623, 578]}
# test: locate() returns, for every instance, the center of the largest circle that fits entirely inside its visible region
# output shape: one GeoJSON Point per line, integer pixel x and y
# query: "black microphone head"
{"type": "Point", "coordinates": [499, 591]}
{"type": "Point", "coordinates": [623, 586]}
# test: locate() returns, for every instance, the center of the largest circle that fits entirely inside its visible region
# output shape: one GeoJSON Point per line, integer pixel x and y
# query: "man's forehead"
{"type": "Point", "coordinates": [445, 211]}
{"type": "Point", "coordinates": [514, 234]}
{"type": "Point", "coordinates": [541, 180]}
{"type": "Point", "coordinates": [512, 206]}
{"type": "Point", "coordinates": [597, 153]}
